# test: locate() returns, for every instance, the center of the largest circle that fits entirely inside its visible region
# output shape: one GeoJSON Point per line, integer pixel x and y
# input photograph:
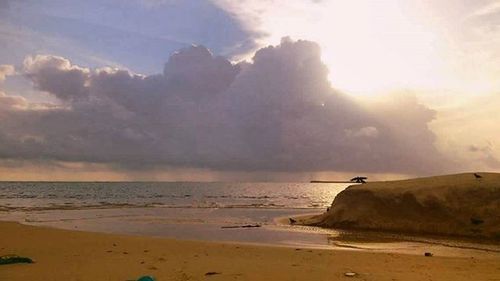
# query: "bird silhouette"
{"type": "Point", "coordinates": [478, 176]}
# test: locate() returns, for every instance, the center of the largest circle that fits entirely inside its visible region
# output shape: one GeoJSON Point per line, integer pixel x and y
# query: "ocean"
{"type": "Point", "coordinates": [206, 211]}
{"type": "Point", "coordinates": [80, 195]}
{"type": "Point", "coordinates": [184, 210]}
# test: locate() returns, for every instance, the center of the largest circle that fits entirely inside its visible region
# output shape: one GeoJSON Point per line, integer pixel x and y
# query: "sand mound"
{"type": "Point", "coordinates": [460, 205]}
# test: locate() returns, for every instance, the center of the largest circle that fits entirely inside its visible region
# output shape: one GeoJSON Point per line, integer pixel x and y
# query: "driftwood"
{"type": "Point", "coordinates": [210, 273]}
{"type": "Point", "coordinates": [242, 226]}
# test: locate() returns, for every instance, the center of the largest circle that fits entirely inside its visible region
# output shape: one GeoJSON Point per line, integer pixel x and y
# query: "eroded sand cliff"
{"type": "Point", "coordinates": [463, 205]}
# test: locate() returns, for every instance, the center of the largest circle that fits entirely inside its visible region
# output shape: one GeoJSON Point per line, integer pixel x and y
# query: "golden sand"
{"type": "Point", "coordinates": [73, 255]}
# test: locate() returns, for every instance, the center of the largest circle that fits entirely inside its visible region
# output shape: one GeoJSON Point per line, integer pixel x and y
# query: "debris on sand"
{"type": "Point", "coordinates": [146, 278]}
{"type": "Point", "coordinates": [242, 226]}
{"type": "Point", "coordinates": [12, 259]}
{"type": "Point", "coordinates": [210, 273]}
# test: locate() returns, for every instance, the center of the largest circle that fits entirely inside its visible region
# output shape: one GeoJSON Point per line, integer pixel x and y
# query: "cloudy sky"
{"type": "Point", "coordinates": [248, 90]}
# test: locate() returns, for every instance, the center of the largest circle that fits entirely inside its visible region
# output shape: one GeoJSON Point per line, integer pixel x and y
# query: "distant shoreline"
{"type": "Point", "coordinates": [330, 182]}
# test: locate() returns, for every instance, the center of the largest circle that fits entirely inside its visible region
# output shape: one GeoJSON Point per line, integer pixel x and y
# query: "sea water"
{"type": "Point", "coordinates": [204, 211]}
{"type": "Point", "coordinates": [183, 210]}
{"type": "Point", "coordinates": [81, 195]}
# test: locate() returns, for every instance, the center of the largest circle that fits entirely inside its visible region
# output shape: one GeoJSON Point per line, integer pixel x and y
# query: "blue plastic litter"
{"type": "Point", "coordinates": [146, 278]}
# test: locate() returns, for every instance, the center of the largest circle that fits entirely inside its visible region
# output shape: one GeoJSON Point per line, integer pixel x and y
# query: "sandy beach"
{"type": "Point", "coordinates": [156, 140]}
{"type": "Point", "coordinates": [75, 255]}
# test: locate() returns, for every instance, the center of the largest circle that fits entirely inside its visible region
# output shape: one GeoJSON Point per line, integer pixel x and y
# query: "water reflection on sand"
{"type": "Point", "coordinates": [211, 224]}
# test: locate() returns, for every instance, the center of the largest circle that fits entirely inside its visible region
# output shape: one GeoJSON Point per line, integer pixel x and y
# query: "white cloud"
{"type": "Point", "coordinates": [489, 9]}
{"type": "Point", "coordinates": [11, 102]}
{"type": "Point", "coordinates": [6, 70]}
{"type": "Point", "coordinates": [57, 76]}
{"type": "Point", "coordinates": [368, 132]}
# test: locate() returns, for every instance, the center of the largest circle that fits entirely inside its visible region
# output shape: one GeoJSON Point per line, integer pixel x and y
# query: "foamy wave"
{"type": "Point", "coordinates": [106, 205]}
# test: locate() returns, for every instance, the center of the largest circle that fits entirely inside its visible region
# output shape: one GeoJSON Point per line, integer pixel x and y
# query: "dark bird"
{"type": "Point", "coordinates": [359, 179]}
{"type": "Point", "coordinates": [478, 176]}
{"type": "Point", "coordinates": [292, 221]}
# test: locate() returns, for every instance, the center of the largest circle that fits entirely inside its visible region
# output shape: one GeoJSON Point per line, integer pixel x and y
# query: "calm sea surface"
{"type": "Point", "coordinates": [206, 211]}
{"type": "Point", "coordinates": [72, 195]}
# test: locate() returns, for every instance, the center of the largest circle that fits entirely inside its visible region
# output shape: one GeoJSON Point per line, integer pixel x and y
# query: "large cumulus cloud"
{"type": "Point", "coordinates": [276, 113]}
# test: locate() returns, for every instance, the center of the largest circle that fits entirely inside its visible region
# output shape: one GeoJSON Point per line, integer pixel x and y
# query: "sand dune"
{"type": "Point", "coordinates": [461, 205]}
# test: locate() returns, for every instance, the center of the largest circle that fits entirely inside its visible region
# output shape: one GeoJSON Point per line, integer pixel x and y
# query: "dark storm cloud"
{"type": "Point", "coordinates": [277, 113]}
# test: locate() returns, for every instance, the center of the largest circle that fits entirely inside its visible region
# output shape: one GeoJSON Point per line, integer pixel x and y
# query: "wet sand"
{"type": "Point", "coordinates": [76, 255]}
{"type": "Point", "coordinates": [221, 225]}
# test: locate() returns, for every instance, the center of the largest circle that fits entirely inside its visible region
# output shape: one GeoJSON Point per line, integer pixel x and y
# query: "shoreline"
{"type": "Point", "coordinates": [305, 221]}
{"type": "Point", "coordinates": [273, 230]}
{"type": "Point", "coordinates": [79, 255]}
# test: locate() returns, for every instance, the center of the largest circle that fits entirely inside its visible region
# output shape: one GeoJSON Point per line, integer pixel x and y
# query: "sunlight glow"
{"type": "Point", "coordinates": [369, 46]}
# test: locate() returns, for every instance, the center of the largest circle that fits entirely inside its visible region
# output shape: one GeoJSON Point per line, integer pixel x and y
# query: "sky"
{"type": "Point", "coordinates": [262, 90]}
